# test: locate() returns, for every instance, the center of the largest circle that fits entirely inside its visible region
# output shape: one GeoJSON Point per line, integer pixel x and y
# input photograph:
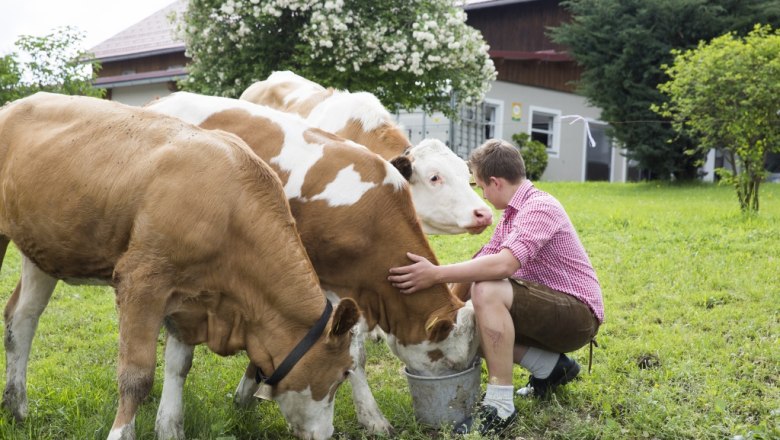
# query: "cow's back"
{"type": "Point", "coordinates": [287, 92]}
{"type": "Point", "coordinates": [359, 117]}
{"type": "Point", "coordinates": [80, 177]}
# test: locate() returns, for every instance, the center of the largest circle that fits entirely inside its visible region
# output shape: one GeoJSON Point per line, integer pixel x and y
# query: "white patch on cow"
{"type": "Point", "coordinates": [346, 189]}
{"type": "Point", "coordinates": [170, 413]}
{"type": "Point", "coordinates": [126, 432]}
{"type": "Point", "coordinates": [308, 418]}
{"type": "Point", "coordinates": [366, 408]}
{"type": "Point", "coordinates": [297, 157]}
{"type": "Point", "coordinates": [21, 322]}
{"type": "Point", "coordinates": [333, 113]}
{"type": "Point", "coordinates": [459, 348]}
{"type": "Point", "coordinates": [190, 107]}
{"type": "Point", "coordinates": [288, 76]}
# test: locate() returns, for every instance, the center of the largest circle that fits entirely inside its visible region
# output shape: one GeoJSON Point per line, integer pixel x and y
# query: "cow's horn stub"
{"type": "Point", "coordinates": [403, 164]}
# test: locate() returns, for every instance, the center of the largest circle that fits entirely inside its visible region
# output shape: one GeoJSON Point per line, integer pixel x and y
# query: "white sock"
{"type": "Point", "coordinates": [500, 397]}
{"type": "Point", "coordinates": [539, 362]}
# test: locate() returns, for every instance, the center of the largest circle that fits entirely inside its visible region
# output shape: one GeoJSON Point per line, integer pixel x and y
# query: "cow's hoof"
{"type": "Point", "coordinates": [15, 403]}
{"type": "Point", "coordinates": [169, 430]}
{"type": "Point", "coordinates": [126, 432]}
{"type": "Point", "coordinates": [378, 426]}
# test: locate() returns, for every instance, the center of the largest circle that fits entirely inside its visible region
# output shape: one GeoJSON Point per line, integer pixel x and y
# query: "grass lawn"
{"type": "Point", "coordinates": [690, 348]}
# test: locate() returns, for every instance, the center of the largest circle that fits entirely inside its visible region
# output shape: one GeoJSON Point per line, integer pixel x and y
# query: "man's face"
{"type": "Point", "coordinates": [489, 190]}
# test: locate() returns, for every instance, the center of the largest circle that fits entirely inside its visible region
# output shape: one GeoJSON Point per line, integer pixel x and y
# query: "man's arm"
{"type": "Point", "coordinates": [423, 274]}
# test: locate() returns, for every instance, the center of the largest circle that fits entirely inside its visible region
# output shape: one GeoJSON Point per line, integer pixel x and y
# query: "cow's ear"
{"type": "Point", "coordinates": [439, 329]}
{"type": "Point", "coordinates": [345, 317]}
{"type": "Point", "coordinates": [404, 164]}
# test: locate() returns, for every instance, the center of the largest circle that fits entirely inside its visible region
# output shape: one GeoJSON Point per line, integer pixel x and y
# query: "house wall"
{"type": "Point", "coordinates": [569, 163]}
{"type": "Point", "coordinates": [139, 95]}
{"type": "Point", "coordinates": [514, 103]}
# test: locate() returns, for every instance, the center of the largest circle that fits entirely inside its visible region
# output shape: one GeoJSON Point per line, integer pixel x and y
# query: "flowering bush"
{"type": "Point", "coordinates": [410, 53]}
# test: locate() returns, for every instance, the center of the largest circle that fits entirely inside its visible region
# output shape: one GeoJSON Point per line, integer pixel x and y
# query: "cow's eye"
{"type": "Point", "coordinates": [435, 178]}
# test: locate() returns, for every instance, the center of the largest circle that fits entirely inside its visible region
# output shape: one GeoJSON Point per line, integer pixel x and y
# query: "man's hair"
{"type": "Point", "coordinates": [497, 158]}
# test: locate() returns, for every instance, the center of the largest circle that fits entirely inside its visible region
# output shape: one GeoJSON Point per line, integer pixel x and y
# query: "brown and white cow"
{"type": "Point", "coordinates": [439, 179]}
{"type": "Point", "coordinates": [189, 227]}
{"type": "Point", "coordinates": [356, 219]}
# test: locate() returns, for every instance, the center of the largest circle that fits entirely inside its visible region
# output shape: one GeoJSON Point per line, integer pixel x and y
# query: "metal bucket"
{"type": "Point", "coordinates": [445, 400]}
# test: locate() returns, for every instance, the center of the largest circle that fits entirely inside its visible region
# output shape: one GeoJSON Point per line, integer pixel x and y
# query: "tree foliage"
{"type": "Point", "coordinates": [10, 75]}
{"type": "Point", "coordinates": [621, 45]}
{"type": "Point", "coordinates": [534, 155]}
{"type": "Point", "coordinates": [410, 53]}
{"type": "Point", "coordinates": [724, 93]}
{"type": "Point", "coordinates": [51, 63]}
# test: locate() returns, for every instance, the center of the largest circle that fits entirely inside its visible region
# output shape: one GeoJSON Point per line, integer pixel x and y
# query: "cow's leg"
{"type": "Point", "coordinates": [25, 306]}
{"type": "Point", "coordinates": [368, 413]}
{"type": "Point", "coordinates": [140, 297]}
{"type": "Point", "coordinates": [170, 414]}
{"type": "Point", "coordinates": [244, 396]}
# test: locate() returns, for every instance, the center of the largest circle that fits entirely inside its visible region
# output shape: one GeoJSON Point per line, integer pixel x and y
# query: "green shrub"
{"type": "Point", "coordinates": [534, 154]}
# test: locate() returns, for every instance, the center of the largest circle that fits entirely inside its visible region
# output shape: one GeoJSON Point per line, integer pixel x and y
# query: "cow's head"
{"type": "Point", "coordinates": [306, 395]}
{"type": "Point", "coordinates": [443, 197]}
{"type": "Point", "coordinates": [450, 347]}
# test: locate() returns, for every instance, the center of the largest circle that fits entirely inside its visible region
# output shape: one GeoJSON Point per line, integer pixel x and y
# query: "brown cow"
{"type": "Point", "coordinates": [356, 220]}
{"type": "Point", "coordinates": [189, 227]}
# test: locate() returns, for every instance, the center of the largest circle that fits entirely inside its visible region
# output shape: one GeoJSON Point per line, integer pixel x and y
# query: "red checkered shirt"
{"type": "Point", "coordinates": [539, 233]}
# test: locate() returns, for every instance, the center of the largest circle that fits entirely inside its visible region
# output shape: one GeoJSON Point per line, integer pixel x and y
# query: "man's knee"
{"type": "Point", "coordinates": [485, 294]}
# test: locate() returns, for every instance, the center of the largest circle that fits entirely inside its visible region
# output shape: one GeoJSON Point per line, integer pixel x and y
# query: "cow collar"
{"type": "Point", "coordinates": [297, 353]}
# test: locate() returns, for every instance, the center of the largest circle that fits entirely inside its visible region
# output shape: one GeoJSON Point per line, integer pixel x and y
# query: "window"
{"type": "Point", "coordinates": [545, 128]}
{"type": "Point", "coordinates": [493, 114]}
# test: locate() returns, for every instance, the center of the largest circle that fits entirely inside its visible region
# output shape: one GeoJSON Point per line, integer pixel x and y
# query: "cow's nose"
{"type": "Point", "coordinates": [484, 216]}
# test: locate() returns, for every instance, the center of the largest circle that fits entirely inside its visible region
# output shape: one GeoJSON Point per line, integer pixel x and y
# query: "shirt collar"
{"type": "Point", "coordinates": [522, 194]}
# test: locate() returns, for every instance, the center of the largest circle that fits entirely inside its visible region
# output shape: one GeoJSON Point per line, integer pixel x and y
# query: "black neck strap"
{"type": "Point", "coordinates": [297, 353]}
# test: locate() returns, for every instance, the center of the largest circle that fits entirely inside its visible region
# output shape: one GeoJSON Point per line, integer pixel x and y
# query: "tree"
{"type": "Point", "coordinates": [52, 63]}
{"type": "Point", "coordinates": [621, 45]}
{"type": "Point", "coordinates": [410, 53]}
{"type": "Point", "coordinates": [534, 155]}
{"type": "Point", "coordinates": [725, 94]}
{"type": "Point", "coordinates": [10, 75]}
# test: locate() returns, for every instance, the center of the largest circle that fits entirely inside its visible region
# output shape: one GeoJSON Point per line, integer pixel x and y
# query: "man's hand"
{"type": "Point", "coordinates": [414, 277]}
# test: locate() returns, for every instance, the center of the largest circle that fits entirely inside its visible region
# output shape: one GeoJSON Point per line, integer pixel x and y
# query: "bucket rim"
{"type": "Point", "coordinates": [477, 362]}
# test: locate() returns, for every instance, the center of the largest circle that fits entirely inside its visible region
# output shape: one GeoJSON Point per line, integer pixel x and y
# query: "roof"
{"type": "Point", "coordinates": [539, 55]}
{"type": "Point", "coordinates": [134, 79]}
{"type": "Point", "coordinates": [481, 4]}
{"type": "Point", "coordinates": [150, 36]}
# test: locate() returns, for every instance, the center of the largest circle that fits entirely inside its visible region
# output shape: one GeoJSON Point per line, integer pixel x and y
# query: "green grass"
{"type": "Point", "coordinates": [692, 294]}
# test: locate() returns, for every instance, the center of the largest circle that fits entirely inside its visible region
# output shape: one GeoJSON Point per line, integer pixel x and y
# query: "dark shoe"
{"type": "Point", "coordinates": [564, 372]}
{"type": "Point", "coordinates": [489, 422]}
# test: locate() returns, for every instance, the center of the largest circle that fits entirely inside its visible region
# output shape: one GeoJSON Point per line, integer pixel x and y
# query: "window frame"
{"type": "Point", "coordinates": [554, 149]}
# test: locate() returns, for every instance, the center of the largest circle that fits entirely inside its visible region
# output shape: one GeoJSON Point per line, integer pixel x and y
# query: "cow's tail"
{"type": "Point", "coordinates": [3, 247]}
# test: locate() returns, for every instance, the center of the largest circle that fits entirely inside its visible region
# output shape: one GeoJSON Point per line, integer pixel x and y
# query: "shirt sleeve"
{"type": "Point", "coordinates": [536, 223]}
